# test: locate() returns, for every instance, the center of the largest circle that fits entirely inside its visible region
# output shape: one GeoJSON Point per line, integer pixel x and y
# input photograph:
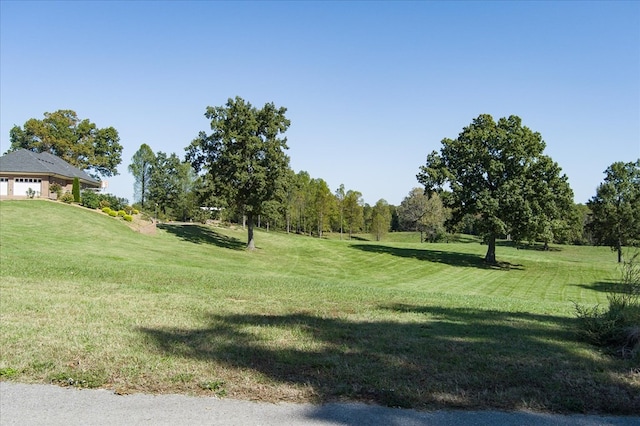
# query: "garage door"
{"type": "Point", "coordinates": [21, 186]}
{"type": "Point", "coordinates": [4, 186]}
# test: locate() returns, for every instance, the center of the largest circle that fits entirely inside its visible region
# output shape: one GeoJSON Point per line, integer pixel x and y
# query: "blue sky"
{"type": "Point", "coordinates": [371, 87]}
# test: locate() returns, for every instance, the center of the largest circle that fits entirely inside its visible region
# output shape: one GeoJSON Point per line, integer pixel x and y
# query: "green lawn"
{"type": "Point", "coordinates": [86, 301]}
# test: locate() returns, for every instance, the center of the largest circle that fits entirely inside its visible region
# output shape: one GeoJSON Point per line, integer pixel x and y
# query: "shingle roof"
{"type": "Point", "coordinates": [23, 161]}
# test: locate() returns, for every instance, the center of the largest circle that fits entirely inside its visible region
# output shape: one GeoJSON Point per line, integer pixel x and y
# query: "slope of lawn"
{"type": "Point", "coordinates": [85, 301]}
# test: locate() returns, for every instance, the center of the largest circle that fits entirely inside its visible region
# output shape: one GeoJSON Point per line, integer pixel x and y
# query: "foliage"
{"type": "Point", "coordinates": [322, 205]}
{"type": "Point", "coordinates": [90, 199]}
{"type": "Point", "coordinates": [419, 212]}
{"type": "Point", "coordinates": [574, 229]}
{"type": "Point", "coordinates": [31, 193]}
{"type": "Point", "coordinates": [112, 213]}
{"type": "Point", "coordinates": [618, 326]}
{"type": "Point", "coordinates": [127, 217]}
{"type": "Point", "coordinates": [67, 198]}
{"type": "Point", "coordinates": [243, 156]}
{"type": "Point", "coordinates": [353, 211]}
{"type": "Point", "coordinates": [170, 187]}
{"type": "Point", "coordinates": [141, 164]}
{"type": "Point", "coordinates": [79, 142]}
{"type": "Point", "coordinates": [76, 190]}
{"type": "Point", "coordinates": [56, 189]}
{"type": "Point", "coordinates": [615, 218]}
{"type": "Point", "coordinates": [380, 219]}
{"type": "Point", "coordinates": [110, 200]}
{"type": "Point", "coordinates": [106, 210]}
{"type": "Point", "coordinates": [497, 172]}
{"type": "Point", "coordinates": [121, 213]}
{"type": "Point", "coordinates": [95, 200]}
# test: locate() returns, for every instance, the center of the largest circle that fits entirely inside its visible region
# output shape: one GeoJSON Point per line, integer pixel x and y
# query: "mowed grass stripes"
{"type": "Point", "coordinates": [85, 301]}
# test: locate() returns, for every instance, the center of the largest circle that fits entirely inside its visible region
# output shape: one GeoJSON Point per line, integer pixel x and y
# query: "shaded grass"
{"type": "Point", "coordinates": [300, 319]}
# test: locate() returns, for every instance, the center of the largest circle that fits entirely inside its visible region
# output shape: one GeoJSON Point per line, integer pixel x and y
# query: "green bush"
{"type": "Point", "coordinates": [128, 217]}
{"type": "Point", "coordinates": [106, 210]}
{"type": "Point", "coordinates": [616, 327]}
{"type": "Point", "coordinates": [114, 202]}
{"type": "Point", "coordinates": [56, 188]}
{"type": "Point", "coordinates": [121, 213]}
{"type": "Point", "coordinates": [67, 197]}
{"type": "Point", "coordinates": [113, 213]}
{"type": "Point", "coordinates": [90, 199]}
{"type": "Point", "coordinates": [136, 211]}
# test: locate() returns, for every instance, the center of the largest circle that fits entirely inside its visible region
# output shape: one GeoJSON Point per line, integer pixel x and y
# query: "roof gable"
{"type": "Point", "coordinates": [24, 161]}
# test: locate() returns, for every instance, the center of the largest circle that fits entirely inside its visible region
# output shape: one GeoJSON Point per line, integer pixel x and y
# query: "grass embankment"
{"type": "Point", "coordinates": [86, 301]}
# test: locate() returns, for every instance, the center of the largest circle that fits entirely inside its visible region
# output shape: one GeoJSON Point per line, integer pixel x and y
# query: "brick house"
{"type": "Point", "coordinates": [22, 170]}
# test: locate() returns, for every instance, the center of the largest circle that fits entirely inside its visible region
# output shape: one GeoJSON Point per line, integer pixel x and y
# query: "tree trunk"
{"type": "Point", "coordinates": [491, 250]}
{"type": "Point", "coordinates": [251, 245]}
{"type": "Point", "coordinates": [619, 251]}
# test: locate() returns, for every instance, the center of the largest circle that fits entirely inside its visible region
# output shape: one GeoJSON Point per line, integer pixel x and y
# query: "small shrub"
{"type": "Point", "coordinates": [128, 209]}
{"type": "Point", "coordinates": [128, 217]}
{"type": "Point", "coordinates": [56, 188]}
{"type": "Point", "coordinates": [136, 211]}
{"type": "Point", "coordinates": [121, 213]}
{"type": "Point", "coordinates": [616, 327]}
{"type": "Point", "coordinates": [67, 197]}
{"type": "Point", "coordinates": [90, 199]}
{"type": "Point", "coordinates": [114, 202]}
{"type": "Point", "coordinates": [30, 193]}
{"type": "Point", "coordinates": [113, 213]}
{"type": "Point", "coordinates": [104, 203]}
{"type": "Point", "coordinates": [106, 210]}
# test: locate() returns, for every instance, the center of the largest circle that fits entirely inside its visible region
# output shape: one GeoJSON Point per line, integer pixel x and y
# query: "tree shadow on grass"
{"type": "Point", "coordinates": [605, 287]}
{"type": "Point", "coordinates": [421, 357]}
{"type": "Point", "coordinates": [526, 246]}
{"type": "Point", "coordinates": [438, 256]}
{"type": "Point", "coordinates": [199, 234]}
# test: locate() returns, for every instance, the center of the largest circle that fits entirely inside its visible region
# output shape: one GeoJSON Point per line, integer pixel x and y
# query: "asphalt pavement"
{"type": "Point", "coordinates": [28, 404]}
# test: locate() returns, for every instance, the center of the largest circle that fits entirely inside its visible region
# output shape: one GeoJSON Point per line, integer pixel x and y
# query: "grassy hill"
{"type": "Point", "coordinates": [86, 301]}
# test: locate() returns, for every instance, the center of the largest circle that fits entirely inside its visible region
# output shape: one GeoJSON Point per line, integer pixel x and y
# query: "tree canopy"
{"type": "Point", "coordinates": [380, 219]}
{"type": "Point", "coordinates": [615, 209]}
{"type": "Point", "coordinates": [244, 155]}
{"type": "Point", "coordinates": [418, 212]}
{"type": "Point", "coordinates": [140, 167]}
{"type": "Point", "coordinates": [78, 142]}
{"type": "Point", "coordinates": [497, 171]}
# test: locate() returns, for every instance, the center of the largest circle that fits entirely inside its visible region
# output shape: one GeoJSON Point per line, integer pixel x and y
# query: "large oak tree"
{"type": "Point", "coordinates": [497, 171]}
{"type": "Point", "coordinates": [78, 142]}
{"type": "Point", "coordinates": [615, 209]}
{"type": "Point", "coordinates": [244, 155]}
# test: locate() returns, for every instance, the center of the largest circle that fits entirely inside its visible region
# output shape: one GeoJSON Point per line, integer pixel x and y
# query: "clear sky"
{"type": "Point", "coordinates": [371, 87]}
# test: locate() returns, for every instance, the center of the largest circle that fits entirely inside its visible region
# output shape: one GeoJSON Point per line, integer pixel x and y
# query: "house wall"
{"type": "Point", "coordinates": [44, 185]}
{"type": "Point", "coordinates": [15, 185]}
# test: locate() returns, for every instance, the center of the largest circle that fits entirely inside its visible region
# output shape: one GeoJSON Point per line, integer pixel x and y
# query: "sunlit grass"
{"type": "Point", "coordinates": [300, 319]}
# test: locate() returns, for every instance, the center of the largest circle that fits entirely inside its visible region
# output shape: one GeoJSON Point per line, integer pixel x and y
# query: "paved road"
{"type": "Point", "coordinates": [22, 404]}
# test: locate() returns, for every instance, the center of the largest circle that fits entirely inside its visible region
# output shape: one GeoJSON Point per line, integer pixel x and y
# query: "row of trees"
{"type": "Point", "coordinates": [493, 180]}
{"type": "Point", "coordinates": [300, 203]}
